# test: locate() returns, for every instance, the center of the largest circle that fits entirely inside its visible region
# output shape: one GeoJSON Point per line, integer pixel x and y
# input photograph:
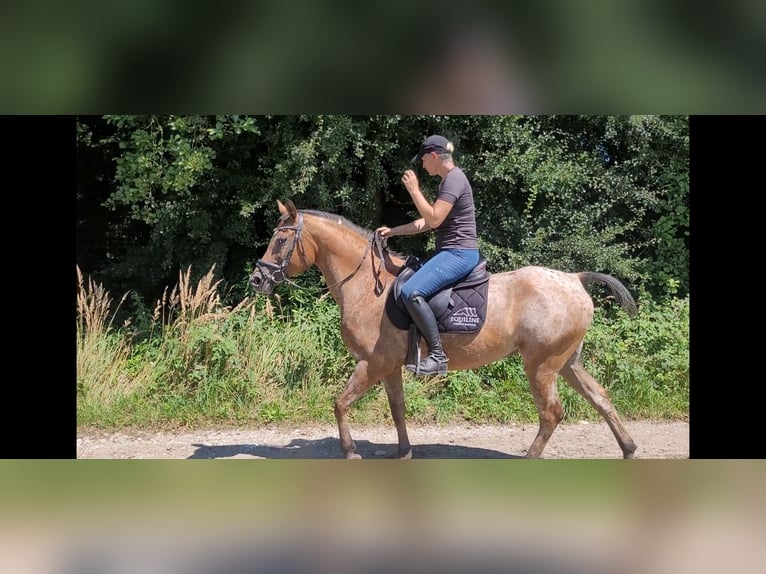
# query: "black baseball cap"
{"type": "Point", "coordinates": [433, 143]}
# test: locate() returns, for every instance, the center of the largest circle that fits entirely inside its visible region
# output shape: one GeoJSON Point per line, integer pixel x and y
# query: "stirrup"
{"type": "Point", "coordinates": [429, 366]}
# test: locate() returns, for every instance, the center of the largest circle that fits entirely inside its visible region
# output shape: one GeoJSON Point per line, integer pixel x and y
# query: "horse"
{"type": "Point", "coordinates": [540, 313]}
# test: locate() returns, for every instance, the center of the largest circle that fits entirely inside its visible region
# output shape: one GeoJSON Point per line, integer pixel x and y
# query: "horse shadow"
{"type": "Point", "coordinates": [329, 448]}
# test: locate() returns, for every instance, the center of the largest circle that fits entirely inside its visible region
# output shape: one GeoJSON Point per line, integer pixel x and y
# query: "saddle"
{"type": "Point", "coordinates": [458, 308]}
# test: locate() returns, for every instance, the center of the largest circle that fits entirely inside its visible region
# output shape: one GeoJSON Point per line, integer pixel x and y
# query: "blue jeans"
{"type": "Point", "coordinates": [444, 268]}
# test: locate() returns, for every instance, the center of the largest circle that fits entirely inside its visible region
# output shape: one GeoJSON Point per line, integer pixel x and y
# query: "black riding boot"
{"type": "Point", "coordinates": [423, 317]}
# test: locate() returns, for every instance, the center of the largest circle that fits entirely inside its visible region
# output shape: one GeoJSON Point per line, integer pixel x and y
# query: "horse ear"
{"type": "Point", "coordinates": [291, 209]}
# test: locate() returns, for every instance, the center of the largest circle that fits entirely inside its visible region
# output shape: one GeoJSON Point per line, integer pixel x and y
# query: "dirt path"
{"type": "Point", "coordinates": [583, 440]}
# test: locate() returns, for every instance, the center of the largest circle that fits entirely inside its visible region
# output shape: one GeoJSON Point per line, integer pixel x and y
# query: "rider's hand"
{"type": "Point", "coordinates": [410, 181]}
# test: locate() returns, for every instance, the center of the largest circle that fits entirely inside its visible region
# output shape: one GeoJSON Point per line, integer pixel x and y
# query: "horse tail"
{"type": "Point", "coordinates": [620, 292]}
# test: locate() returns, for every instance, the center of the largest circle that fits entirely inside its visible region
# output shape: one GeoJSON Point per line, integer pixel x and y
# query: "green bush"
{"type": "Point", "coordinates": [269, 360]}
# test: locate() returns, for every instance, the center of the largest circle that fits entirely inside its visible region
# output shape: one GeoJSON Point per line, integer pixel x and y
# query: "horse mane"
{"type": "Point", "coordinates": [359, 230]}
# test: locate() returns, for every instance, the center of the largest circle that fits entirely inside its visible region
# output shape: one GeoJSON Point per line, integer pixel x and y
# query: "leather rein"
{"type": "Point", "coordinates": [278, 273]}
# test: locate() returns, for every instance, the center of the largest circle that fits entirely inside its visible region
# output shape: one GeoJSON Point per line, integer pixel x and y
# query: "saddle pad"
{"type": "Point", "coordinates": [467, 309]}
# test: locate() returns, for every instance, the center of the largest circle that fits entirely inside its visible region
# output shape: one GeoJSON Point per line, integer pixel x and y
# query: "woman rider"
{"type": "Point", "coordinates": [453, 217]}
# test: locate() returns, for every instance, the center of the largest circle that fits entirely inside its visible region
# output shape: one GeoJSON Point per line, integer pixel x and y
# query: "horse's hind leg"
{"type": "Point", "coordinates": [358, 384]}
{"type": "Point", "coordinates": [395, 392]}
{"type": "Point", "coordinates": [576, 375]}
{"type": "Point", "coordinates": [542, 381]}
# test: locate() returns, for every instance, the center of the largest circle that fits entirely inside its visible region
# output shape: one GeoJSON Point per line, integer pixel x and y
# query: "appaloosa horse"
{"type": "Point", "coordinates": [540, 313]}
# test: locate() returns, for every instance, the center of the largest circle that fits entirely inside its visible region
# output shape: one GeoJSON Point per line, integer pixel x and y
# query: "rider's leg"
{"type": "Point", "coordinates": [423, 317]}
{"type": "Point", "coordinates": [443, 269]}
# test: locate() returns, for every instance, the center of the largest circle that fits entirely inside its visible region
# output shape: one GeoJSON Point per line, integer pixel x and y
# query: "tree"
{"type": "Point", "coordinates": [160, 193]}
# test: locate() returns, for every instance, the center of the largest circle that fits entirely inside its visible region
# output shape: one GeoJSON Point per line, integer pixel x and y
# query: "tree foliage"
{"type": "Point", "coordinates": [600, 193]}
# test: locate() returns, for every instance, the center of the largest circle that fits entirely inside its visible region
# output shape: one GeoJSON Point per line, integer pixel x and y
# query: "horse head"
{"type": "Point", "coordinates": [285, 255]}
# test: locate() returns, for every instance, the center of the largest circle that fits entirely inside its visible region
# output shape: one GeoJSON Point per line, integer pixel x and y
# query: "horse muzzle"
{"type": "Point", "coordinates": [265, 277]}
{"type": "Point", "coordinates": [261, 284]}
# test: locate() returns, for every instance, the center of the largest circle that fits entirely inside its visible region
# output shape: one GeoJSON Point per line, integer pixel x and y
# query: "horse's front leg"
{"type": "Point", "coordinates": [358, 384]}
{"type": "Point", "coordinates": [395, 392]}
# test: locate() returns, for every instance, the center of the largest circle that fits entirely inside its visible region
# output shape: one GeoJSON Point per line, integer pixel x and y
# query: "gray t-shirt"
{"type": "Point", "coordinates": [458, 230]}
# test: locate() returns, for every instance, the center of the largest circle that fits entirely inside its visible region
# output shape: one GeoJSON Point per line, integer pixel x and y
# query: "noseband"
{"type": "Point", "coordinates": [276, 274]}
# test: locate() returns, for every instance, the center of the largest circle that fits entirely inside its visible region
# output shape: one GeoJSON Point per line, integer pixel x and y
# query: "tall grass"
{"type": "Point", "coordinates": [103, 355]}
{"type": "Point", "coordinates": [193, 361]}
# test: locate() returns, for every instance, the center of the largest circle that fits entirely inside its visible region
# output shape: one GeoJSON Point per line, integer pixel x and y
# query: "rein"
{"type": "Point", "coordinates": [377, 245]}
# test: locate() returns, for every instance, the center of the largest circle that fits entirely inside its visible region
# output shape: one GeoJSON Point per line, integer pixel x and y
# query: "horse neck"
{"type": "Point", "coordinates": [339, 251]}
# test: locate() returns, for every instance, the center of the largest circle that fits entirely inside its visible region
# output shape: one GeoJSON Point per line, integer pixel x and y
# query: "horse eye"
{"type": "Point", "coordinates": [281, 241]}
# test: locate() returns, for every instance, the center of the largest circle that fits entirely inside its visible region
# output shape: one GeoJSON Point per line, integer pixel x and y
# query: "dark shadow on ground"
{"type": "Point", "coordinates": [329, 448]}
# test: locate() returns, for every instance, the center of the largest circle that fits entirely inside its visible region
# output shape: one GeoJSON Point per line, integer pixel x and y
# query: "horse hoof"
{"type": "Point", "coordinates": [353, 456]}
{"type": "Point", "coordinates": [407, 455]}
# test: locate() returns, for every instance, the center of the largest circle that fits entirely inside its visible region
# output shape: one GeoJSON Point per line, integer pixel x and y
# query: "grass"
{"type": "Point", "coordinates": [193, 361]}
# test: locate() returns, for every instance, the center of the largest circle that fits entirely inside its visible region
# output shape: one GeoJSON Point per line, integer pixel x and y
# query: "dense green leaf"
{"type": "Point", "coordinates": [598, 193]}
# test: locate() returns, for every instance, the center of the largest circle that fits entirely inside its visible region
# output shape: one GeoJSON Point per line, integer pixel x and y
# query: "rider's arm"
{"type": "Point", "coordinates": [417, 226]}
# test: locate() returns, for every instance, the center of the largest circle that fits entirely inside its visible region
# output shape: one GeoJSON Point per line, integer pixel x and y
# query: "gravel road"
{"type": "Point", "coordinates": [580, 440]}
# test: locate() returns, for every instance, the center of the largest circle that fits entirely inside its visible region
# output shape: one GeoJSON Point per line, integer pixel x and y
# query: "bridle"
{"type": "Point", "coordinates": [277, 274]}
